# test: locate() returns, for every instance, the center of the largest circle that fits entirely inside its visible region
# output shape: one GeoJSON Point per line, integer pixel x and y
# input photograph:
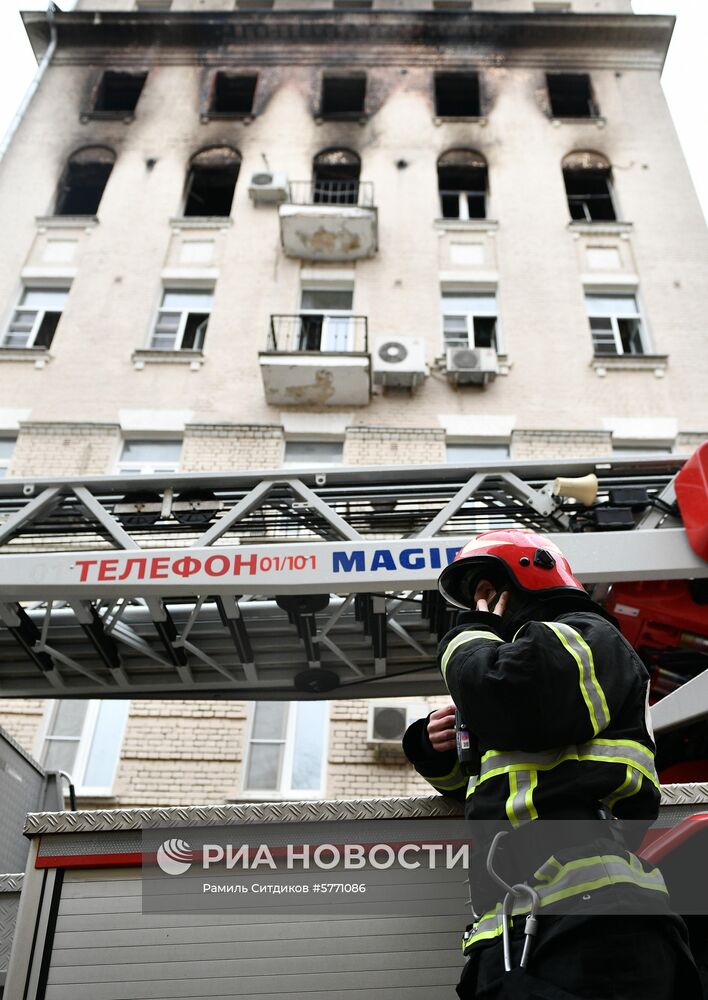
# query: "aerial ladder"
{"type": "Point", "coordinates": [310, 584]}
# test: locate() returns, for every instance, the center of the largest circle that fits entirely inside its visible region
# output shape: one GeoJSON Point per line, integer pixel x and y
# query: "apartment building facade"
{"type": "Point", "coordinates": [253, 235]}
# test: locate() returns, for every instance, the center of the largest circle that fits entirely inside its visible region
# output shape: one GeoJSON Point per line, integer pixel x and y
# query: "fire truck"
{"type": "Point", "coordinates": [312, 585]}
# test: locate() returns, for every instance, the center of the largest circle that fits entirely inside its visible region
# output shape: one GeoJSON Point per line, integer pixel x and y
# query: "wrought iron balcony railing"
{"type": "Point", "coordinates": [344, 192]}
{"type": "Point", "coordinates": [318, 332]}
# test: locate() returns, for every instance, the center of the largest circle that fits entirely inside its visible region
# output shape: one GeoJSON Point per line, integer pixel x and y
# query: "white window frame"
{"type": "Point", "coordinates": [331, 314]}
{"type": "Point", "coordinates": [311, 440]}
{"type": "Point", "coordinates": [5, 463]}
{"type": "Point", "coordinates": [184, 314]}
{"type": "Point", "coordinates": [127, 468]}
{"type": "Point", "coordinates": [626, 293]}
{"type": "Point", "coordinates": [39, 313]}
{"type": "Point", "coordinates": [470, 316]}
{"type": "Point", "coordinates": [283, 792]}
{"type": "Point", "coordinates": [84, 741]}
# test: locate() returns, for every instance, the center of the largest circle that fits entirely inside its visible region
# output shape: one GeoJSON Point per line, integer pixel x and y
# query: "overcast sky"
{"type": "Point", "coordinates": [685, 78]}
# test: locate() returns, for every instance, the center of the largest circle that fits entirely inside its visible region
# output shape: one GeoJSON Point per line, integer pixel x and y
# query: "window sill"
{"type": "Point", "coordinates": [106, 116]}
{"type": "Point", "coordinates": [200, 222]}
{"type": "Point", "coordinates": [480, 120]}
{"type": "Point", "coordinates": [602, 363]}
{"type": "Point", "coordinates": [596, 120]}
{"type": "Point", "coordinates": [140, 358]}
{"type": "Point", "coordinates": [235, 116]}
{"type": "Point", "coordinates": [468, 225]}
{"type": "Point", "coordinates": [38, 356]}
{"type": "Point", "coordinates": [600, 228]}
{"type": "Point", "coordinates": [86, 222]}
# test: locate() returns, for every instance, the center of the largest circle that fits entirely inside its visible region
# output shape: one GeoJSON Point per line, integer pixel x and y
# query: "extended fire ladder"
{"type": "Point", "coordinates": [287, 584]}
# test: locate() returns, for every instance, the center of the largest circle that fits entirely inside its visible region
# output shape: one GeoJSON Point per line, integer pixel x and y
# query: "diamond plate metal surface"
{"type": "Point", "coordinates": [12, 883]}
{"type": "Point", "coordinates": [9, 904]}
{"type": "Point", "coordinates": [267, 812]}
{"type": "Point", "coordinates": [284, 812]}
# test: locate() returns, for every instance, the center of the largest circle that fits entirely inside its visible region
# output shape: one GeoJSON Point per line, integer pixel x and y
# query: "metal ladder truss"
{"type": "Point", "coordinates": [232, 585]}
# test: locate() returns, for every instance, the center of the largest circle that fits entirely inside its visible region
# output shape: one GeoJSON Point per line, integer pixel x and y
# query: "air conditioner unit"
{"type": "Point", "coordinates": [399, 361]}
{"type": "Point", "coordinates": [388, 722]}
{"type": "Point", "coordinates": [471, 365]}
{"type": "Point", "coordinates": [268, 188]}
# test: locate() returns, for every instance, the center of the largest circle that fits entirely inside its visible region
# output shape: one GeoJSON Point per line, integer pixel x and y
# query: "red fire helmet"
{"type": "Point", "coordinates": [509, 555]}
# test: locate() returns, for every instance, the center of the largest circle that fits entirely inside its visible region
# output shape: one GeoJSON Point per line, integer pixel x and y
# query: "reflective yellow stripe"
{"type": "Point", "coordinates": [461, 640]}
{"type": "Point", "coordinates": [519, 806]}
{"type": "Point", "coordinates": [555, 882]}
{"type": "Point", "coordinates": [630, 786]}
{"type": "Point", "coordinates": [604, 751]}
{"type": "Point", "coordinates": [590, 689]}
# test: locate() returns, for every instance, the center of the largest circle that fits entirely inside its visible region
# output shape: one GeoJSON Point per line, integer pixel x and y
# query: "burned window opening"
{"type": "Point", "coordinates": [457, 95]}
{"type": "Point", "coordinates": [570, 95]}
{"type": "Point", "coordinates": [589, 195]}
{"type": "Point", "coordinates": [233, 94]}
{"type": "Point", "coordinates": [84, 180]}
{"type": "Point", "coordinates": [352, 4]}
{"type": "Point", "coordinates": [462, 185]}
{"type": "Point", "coordinates": [343, 96]}
{"type": "Point", "coordinates": [336, 178]}
{"type": "Point", "coordinates": [211, 182]}
{"type": "Point", "coordinates": [119, 92]}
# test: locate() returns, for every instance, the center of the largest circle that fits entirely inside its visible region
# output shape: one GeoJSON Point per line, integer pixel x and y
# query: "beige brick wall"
{"type": "Point", "coordinates": [551, 444]}
{"type": "Point", "coordinates": [65, 449]}
{"type": "Point", "coordinates": [689, 442]}
{"type": "Point", "coordinates": [22, 719]}
{"type": "Point", "coordinates": [216, 447]}
{"type": "Point", "coordinates": [394, 446]}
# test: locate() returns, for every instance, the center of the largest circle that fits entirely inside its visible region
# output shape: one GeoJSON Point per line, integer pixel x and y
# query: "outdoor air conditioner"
{"type": "Point", "coordinates": [268, 188]}
{"type": "Point", "coordinates": [399, 361]}
{"type": "Point", "coordinates": [476, 365]}
{"type": "Point", "coordinates": [388, 722]}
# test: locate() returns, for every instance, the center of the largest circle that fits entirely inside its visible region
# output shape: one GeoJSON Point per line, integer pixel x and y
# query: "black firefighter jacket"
{"type": "Point", "coordinates": [560, 719]}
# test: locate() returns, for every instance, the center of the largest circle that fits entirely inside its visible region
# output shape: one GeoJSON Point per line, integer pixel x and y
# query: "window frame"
{"type": "Point", "coordinates": [329, 314]}
{"type": "Point", "coordinates": [614, 323]}
{"type": "Point", "coordinates": [184, 315]}
{"type": "Point", "coordinates": [5, 463]}
{"type": "Point", "coordinates": [147, 468]}
{"type": "Point", "coordinates": [282, 792]}
{"type": "Point", "coordinates": [45, 286]}
{"type": "Point", "coordinates": [469, 318]}
{"type": "Point", "coordinates": [593, 105]}
{"type": "Point", "coordinates": [85, 740]}
{"type": "Point", "coordinates": [311, 440]}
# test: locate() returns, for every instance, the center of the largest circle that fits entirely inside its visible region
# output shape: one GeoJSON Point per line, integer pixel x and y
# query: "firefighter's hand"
{"type": "Point", "coordinates": [486, 592]}
{"type": "Point", "coordinates": [441, 728]}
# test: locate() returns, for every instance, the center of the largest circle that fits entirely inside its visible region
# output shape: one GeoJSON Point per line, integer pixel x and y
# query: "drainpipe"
{"type": "Point", "coordinates": [31, 90]}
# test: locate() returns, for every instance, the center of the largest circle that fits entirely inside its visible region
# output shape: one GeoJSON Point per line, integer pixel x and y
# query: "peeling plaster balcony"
{"type": "Point", "coordinates": [329, 220]}
{"type": "Point", "coordinates": [317, 360]}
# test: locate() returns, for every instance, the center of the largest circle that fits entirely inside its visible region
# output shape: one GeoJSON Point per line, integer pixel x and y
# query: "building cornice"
{"type": "Point", "coordinates": [415, 38]}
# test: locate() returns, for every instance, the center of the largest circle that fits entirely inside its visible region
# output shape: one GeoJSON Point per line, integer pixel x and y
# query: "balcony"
{"type": "Point", "coordinates": [329, 220]}
{"type": "Point", "coordinates": [317, 359]}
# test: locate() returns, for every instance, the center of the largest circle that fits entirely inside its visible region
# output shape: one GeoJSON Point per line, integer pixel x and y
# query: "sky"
{"type": "Point", "coordinates": [685, 77]}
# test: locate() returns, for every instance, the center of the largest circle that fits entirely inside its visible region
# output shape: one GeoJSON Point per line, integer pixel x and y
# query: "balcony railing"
{"type": "Point", "coordinates": [345, 192]}
{"type": "Point", "coordinates": [318, 333]}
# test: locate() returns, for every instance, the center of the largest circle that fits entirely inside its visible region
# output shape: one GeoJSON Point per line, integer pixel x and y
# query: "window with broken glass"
{"type": "Point", "coordinates": [570, 95]}
{"type": "Point", "coordinates": [211, 182]}
{"type": "Point", "coordinates": [343, 96]}
{"type": "Point", "coordinates": [232, 94]}
{"type": "Point", "coordinates": [335, 179]}
{"type": "Point", "coordinates": [588, 185]}
{"type": "Point", "coordinates": [616, 324]}
{"type": "Point", "coordinates": [118, 92]}
{"type": "Point", "coordinates": [457, 95]}
{"type": "Point", "coordinates": [469, 319]}
{"type": "Point", "coordinates": [182, 320]}
{"type": "Point", "coordinates": [34, 321]}
{"type": "Point", "coordinates": [462, 185]}
{"type": "Point", "coordinates": [84, 180]}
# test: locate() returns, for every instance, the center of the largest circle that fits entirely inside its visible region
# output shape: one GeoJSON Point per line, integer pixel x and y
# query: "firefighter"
{"type": "Point", "coordinates": [554, 704]}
